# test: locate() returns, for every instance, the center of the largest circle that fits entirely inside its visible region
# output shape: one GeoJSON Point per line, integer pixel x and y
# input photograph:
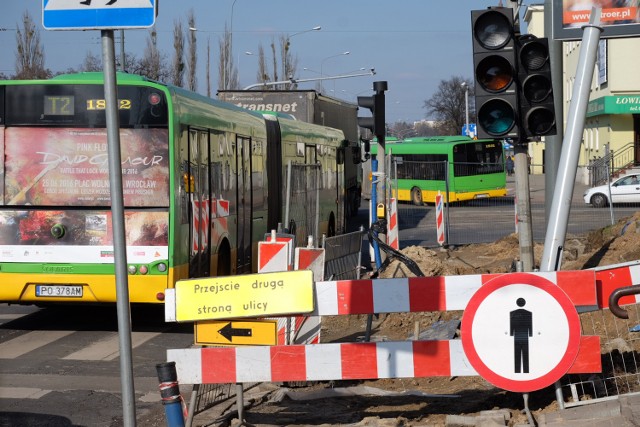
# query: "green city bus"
{"type": "Point", "coordinates": [203, 181]}
{"type": "Point", "coordinates": [470, 169]}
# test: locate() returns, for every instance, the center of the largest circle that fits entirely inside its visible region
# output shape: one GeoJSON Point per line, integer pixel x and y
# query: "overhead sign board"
{"type": "Point", "coordinates": [98, 14]}
{"type": "Point", "coordinates": [252, 295]}
{"type": "Point", "coordinates": [520, 332]}
{"type": "Point", "coordinates": [618, 18]}
{"type": "Point", "coordinates": [236, 332]}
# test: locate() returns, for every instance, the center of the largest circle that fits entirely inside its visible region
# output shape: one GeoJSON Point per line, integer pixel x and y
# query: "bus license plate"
{"type": "Point", "coordinates": [58, 291]}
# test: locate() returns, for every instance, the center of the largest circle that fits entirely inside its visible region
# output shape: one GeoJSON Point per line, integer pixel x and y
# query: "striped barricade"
{"type": "Point", "coordinates": [398, 359]}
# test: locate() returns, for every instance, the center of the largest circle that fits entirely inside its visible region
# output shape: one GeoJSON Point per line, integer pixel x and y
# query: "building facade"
{"type": "Point", "coordinates": [612, 125]}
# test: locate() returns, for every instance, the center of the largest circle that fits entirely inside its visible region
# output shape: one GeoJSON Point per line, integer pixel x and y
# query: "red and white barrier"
{"type": "Point", "coordinates": [439, 219]}
{"type": "Point", "coordinates": [440, 293]}
{"type": "Point", "coordinates": [392, 228]}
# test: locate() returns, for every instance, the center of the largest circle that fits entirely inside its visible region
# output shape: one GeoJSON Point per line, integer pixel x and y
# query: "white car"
{"type": "Point", "coordinates": [625, 189]}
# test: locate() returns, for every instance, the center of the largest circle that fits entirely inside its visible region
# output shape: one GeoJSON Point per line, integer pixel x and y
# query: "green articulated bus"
{"type": "Point", "coordinates": [203, 181]}
{"type": "Point", "coordinates": [470, 169]}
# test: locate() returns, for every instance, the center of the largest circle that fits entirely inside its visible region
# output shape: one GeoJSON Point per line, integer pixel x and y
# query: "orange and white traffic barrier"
{"type": "Point", "coordinates": [392, 228]}
{"type": "Point", "coordinates": [273, 255]}
{"type": "Point", "coordinates": [439, 219]}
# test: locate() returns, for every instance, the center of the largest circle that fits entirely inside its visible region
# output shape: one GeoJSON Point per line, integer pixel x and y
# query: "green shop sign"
{"type": "Point", "coordinates": [619, 104]}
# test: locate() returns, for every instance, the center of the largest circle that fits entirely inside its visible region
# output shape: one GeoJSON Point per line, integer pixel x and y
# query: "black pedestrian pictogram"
{"type": "Point", "coordinates": [521, 328]}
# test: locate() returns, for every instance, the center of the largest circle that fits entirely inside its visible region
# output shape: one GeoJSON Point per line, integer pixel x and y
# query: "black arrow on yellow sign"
{"type": "Point", "coordinates": [228, 331]}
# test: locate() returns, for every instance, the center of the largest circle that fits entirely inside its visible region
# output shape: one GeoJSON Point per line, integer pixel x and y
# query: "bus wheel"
{"type": "Point", "coordinates": [224, 259]}
{"type": "Point", "coordinates": [416, 196]}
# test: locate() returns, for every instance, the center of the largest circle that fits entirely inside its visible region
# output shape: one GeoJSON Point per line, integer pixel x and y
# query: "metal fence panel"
{"type": "Point", "coordinates": [343, 256]}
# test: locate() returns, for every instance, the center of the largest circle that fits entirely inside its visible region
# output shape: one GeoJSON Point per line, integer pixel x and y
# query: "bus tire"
{"type": "Point", "coordinates": [224, 259]}
{"type": "Point", "coordinates": [416, 196]}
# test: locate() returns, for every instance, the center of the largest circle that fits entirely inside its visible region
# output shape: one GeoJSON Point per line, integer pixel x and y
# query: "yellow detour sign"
{"type": "Point", "coordinates": [252, 295]}
{"type": "Point", "coordinates": [236, 332]}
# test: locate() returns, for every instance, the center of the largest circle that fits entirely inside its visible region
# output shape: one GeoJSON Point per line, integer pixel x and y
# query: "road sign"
{"type": "Point", "coordinates": [236, 332]}
{"type": "Point", "coordinates": [252, 295]}
{"type": "Point", "coordinates": [98, 14]}
{"type": "Point", "coordinates": [520, 332]}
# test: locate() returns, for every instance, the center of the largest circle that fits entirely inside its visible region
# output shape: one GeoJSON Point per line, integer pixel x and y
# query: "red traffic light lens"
{"type": "Point", "coordinates": [494, 73]}
{"type": "Point", "coordinates": [497, 117]}
{"type": "Point", "coordinates": [534, 55]}
{"type": "Point", "coordinates": [492, 30]}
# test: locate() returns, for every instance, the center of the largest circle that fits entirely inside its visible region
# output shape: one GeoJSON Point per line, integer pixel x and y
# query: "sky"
{"type": "Point", "coordinates": [411, 44]}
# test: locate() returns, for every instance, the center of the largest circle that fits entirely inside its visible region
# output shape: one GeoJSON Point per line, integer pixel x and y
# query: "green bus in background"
{"type": "Point", "coordinates": [470, 169]}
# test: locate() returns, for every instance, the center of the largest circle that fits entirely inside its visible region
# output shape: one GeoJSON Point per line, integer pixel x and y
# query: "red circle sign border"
{"type": "Point", "coordinates": [567, 306]}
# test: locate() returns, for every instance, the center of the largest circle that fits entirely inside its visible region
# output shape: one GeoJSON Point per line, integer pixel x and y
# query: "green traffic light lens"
{"type": "Point", "coordinates": [494, 73]}
{"type": "Point", "coordinates": [492, 30]}
{"type": "Point", "coordinates": [536, 88]}
{"type": "Point", "coordinates": [497, 117]}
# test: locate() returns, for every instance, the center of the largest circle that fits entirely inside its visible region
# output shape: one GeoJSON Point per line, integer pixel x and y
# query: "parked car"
{"type": "Point", "coordinates": [625, 189]}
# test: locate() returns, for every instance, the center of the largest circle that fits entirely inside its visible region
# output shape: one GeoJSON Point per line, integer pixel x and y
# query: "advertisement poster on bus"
{"type": "Point", "coordinates": [69, 167]}
{"type": "Point", "coordinates": [618, 18]}
{"type": "Point", "coordinates": [57, 181]}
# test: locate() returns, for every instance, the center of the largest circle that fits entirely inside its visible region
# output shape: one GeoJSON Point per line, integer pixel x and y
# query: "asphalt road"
{"type": "Point", "coordinates": [61, 366]}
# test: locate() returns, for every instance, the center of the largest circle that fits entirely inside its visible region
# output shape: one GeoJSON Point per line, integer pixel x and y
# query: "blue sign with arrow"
{"type": "Point", "coordinates": [98, 14]}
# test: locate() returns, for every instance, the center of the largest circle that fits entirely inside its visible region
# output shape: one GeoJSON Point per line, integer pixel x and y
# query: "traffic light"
{"type": "Point", "coordinates": [495, 72]}
{"type": "Point", "coordinates": [376, 104]}
{"type": "Point", "coordinates": [537, 111]}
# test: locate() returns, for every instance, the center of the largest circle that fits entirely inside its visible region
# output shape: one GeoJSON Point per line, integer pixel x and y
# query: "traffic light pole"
{"type": "Point", "coordinates": [523, 206]}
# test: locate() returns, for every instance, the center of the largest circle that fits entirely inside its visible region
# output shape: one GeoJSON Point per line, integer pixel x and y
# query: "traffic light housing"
{"type": "Point", "coordinates": [537, 110]}
{"type": "Point", "coordinates": [495, 73]}
{"type": "Point", "coordinates": [376, 104]}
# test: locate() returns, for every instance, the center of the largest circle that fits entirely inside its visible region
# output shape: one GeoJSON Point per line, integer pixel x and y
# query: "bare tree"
{"type": "Point", "coordinates": [152, 63]}
{"type": "Point", "coordinates": [192, 60]}
{"type": "Point", "coordinates": [447, 105]}
{"type": "Point", "coordinates": [208, 67]}
{"type": "Point", "coordinates": [289, 63]}
{"type": "Point", "coordinates": [177, 66]}
{"type": "Point", "coordinates": [227, 71]}
{"type": "Point", "coordinates": [263, 72]}
{"type": "Point", "coordinates": [29, 51]}
{"type": "Point", "coordinates": [91, 63]}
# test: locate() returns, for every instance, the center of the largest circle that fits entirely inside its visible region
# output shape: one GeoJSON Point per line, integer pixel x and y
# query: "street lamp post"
{"type": "Point", "coordinates": [329, 57]}
{"type": "Point", "coordinates": [466, 107]}
{"type": "Point", "coordinates": [285, 59]}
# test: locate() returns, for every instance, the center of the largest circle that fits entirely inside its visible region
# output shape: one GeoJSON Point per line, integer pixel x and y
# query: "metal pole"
{"type": "Point", "coordinates": [561, 202]}
{"type": "Point", "coordinates": [563, 192]}
{"type": "Point", "coordinates": [553, 143]}
{"type": "Point", "coordinates": [117, 219]}
{"type": "Point", "coordinates": [122, 55]}
{"type": "Point", "coordinates": [372, 72]}
{"type": "Point", "coordinates": [446, 198]}
{"type": "Point", "coordinates": [466, 108]}
{"type": "Point", "coordinates": [523, 206]}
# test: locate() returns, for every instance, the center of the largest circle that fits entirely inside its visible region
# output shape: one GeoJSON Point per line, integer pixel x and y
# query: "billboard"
{"type": "Point", "coordinates": [619, 18]}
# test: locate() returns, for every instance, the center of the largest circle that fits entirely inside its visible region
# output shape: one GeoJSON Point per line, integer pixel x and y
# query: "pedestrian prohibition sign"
{"type": "Point", "coordinates": [520, 332]}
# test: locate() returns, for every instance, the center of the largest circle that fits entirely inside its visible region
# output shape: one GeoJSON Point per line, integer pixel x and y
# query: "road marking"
{"type": "Point", "coordinates": [22, 393]}
{"type": "Point", "coordinates": [108, 348]}
{"type": "Point", "coordinates": [29, 342]}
